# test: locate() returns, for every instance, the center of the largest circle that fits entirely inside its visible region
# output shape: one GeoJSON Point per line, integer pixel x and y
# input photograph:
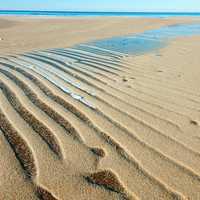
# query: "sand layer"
{"type": "Point", "coordinates": [81, 125]}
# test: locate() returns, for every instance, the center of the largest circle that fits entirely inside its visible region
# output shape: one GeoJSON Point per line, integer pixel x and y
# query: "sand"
{"type": "Point", "coordinates": [21, 34]}
{"type": "Point", "coordinates": [81, 125]}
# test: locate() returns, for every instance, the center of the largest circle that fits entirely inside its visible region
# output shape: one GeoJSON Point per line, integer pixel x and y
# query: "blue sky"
{"type": "Point", "coordinates": [102, 5]}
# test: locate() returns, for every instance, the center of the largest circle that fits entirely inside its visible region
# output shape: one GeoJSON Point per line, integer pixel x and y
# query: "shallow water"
{"type": "Point", "coordinates": [148, 40]}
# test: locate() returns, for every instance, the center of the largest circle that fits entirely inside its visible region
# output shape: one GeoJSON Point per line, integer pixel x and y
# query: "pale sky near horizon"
{"type": "Point", "coordinates": [102, 5]}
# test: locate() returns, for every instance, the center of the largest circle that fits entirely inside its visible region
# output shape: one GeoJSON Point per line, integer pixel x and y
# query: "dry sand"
{"type": "Point", "coordinates": [76, 125]}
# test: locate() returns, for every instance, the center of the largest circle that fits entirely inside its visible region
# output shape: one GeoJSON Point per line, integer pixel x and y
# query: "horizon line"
{"type": "Point", "coordinates": [81, 11]}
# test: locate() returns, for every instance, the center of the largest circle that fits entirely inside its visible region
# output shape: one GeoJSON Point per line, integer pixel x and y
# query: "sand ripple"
{"type": "Point", "coordinates": [85, 123]}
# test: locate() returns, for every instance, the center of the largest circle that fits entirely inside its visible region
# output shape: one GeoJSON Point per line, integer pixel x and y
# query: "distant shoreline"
{"type": "Point", "coordinates": [90, 13]}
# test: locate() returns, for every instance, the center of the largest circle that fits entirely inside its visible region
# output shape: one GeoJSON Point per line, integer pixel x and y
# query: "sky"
{"type": "Point", "coordinates": [102, 5]}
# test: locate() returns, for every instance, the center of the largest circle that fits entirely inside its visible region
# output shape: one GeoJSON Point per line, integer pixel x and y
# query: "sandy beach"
{"type": "Point", "coordinates": [20, 34]}
{"type": "Point", "coordinates": [97, 125]}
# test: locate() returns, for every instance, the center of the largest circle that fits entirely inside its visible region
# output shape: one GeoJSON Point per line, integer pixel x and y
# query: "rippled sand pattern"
{"type": "Point", "coordinates": [85, 123]}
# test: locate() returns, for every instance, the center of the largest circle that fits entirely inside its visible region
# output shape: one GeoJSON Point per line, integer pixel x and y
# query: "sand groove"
{"type": "Point", "coordinates": [19, 146]}
{"type": "Point", "coordinates": [150, 131]}
{"type": "Point", "coordinates": [121, 151]}
{"type": "Point", "coordinates": [133, 118]}
{"type": "Point", "coordinates": [120, 99]}
{"type": "Point", "coordinates": [115, 123]}
{"type": "Point", "coordinates": [43, 194]}
{"type": "Point", "coordinates": [90, 80]}
{"type": "Point", "coordinates": [37, 126]}
{"type": "Point", "coordinates": [24, 155]}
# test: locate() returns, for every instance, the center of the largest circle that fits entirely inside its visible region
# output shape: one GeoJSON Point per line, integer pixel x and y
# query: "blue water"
{"type": "Point", "coordinates": [148, 40]}
{"type": "Point", "coordinates": [88, 14]}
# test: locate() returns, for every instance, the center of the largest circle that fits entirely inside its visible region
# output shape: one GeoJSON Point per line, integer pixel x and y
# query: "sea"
{"type": "Point", "coordinates": [97, 14]}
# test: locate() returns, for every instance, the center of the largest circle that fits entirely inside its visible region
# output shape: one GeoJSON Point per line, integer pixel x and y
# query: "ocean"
{"type": "Point", "coordinates": [96, 14]}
